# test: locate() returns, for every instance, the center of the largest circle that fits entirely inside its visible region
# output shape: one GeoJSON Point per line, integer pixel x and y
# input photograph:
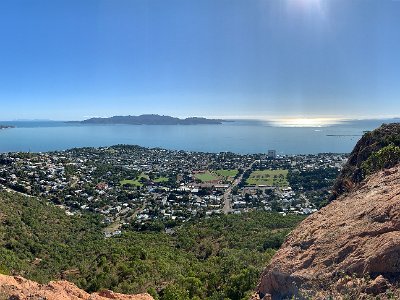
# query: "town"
{"type": "Point", "coordinates": [157, 189]}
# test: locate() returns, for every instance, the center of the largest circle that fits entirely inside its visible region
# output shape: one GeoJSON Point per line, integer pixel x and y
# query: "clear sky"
{"type": "Point", "coordinates": [72, 59]}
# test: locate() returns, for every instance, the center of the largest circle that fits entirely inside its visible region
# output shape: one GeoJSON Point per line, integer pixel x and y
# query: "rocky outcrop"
{"type": "Point", "coordinates": [349, 248]}
{"type": "Point", "coordinates": [19, 288]}
{"type": "Point", "coordinates": [371, 142]}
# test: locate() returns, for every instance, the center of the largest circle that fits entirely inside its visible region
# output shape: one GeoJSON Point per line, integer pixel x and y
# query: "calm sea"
{"type": "Point", "coordinates": [239, 136]}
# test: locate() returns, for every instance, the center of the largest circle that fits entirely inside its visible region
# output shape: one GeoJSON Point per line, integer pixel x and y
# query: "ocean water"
{"type": "Point", "coordinates": [238, 137]}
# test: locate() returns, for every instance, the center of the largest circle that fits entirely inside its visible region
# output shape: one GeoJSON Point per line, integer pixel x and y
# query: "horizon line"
{"type": "Point", "coordinates": [329, 120]}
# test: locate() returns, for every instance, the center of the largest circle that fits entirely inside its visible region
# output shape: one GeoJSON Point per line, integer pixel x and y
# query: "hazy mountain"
{"type": "Point", "coordinates": [151, 119]}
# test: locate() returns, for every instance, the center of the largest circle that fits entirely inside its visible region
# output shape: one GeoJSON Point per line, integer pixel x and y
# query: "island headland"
{"type": "Point", "coordinates": [150, 119]}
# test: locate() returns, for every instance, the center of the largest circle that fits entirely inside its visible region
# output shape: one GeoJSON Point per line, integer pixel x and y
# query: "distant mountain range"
{"type": "Point", "coordinates": [150, 119]}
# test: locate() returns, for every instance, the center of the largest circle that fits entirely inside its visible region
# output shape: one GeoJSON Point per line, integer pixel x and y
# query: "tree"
{"type": "Point", "coordinates": [174, 292]}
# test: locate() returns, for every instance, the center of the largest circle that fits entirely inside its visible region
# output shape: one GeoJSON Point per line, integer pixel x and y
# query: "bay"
{"type": "Point", "coordinates": [239, 137]}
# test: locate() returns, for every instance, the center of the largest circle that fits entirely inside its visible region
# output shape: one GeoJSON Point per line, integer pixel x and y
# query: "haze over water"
{"type": "Point", "coordinates": [238, 137]}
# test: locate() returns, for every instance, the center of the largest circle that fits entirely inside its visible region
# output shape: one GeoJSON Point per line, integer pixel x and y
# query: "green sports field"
{"type": "Point", "coordinates": [227, 175]}
{"type": "Point", "coordinates": [206, 176]}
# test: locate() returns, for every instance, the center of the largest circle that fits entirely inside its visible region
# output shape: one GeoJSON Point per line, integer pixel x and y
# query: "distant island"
{"type": "Point", "coordinates": [6, 126]}
{"type": "Point", "coordinates": [150, 119]}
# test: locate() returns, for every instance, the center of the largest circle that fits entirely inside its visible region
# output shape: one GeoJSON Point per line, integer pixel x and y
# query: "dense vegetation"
{"type": "Point", "coordinates": [386, 157]}
{"type": "Point", "coordinates": [217, 258]}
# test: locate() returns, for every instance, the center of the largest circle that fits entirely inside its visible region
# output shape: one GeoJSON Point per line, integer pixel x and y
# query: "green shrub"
{"type": "Point", "coordinates": [384, 158]}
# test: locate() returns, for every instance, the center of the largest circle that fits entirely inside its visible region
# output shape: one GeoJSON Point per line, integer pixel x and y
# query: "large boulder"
{"type": "Point", "coordinates": [19, 288]}
{"type": "Point", "coordinates": [350, 248]}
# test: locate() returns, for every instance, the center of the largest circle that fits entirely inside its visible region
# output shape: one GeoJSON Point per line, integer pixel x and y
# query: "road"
{"type": "Point", "coordinates": [117, 224]}
{"type": "Point", "coordinates": [227, 195]}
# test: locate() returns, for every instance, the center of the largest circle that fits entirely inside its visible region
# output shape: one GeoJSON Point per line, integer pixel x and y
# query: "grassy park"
{"type": "Point", "coordinates": [269, 178]}
{"type": "Point", "coordinates": [134, 182]}
{"type": "Point", "coordinates": [227, 175]}
{"type": "Point", "coordinates": [161, 179]}
{"type": "Point", "coordinates": [207, 176]}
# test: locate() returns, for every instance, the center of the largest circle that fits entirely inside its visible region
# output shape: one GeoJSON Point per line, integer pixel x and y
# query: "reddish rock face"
{"type": "Point", "coordinates": [371, 142]}
{"type": "Point", "coordinates": [354, 242]}
{"type": "Point", "coordinates": [18, 288]}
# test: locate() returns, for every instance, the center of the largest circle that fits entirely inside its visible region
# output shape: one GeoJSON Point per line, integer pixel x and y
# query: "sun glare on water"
{"type": "Point", "coordinates": [305, 122]}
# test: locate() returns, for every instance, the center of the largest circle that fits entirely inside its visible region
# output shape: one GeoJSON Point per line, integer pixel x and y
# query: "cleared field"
{"type": "Point", "coordinates": [206, 176]}
{"type": "Point", "coordinates": [221, 174]}
{"type": "Point", "coordinates": [269, 177]}
{"type": "Point", "coordinates": [227, 173]}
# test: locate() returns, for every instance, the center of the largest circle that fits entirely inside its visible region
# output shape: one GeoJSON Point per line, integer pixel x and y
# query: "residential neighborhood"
{"type": "Point", "coordinates": [157, 189]}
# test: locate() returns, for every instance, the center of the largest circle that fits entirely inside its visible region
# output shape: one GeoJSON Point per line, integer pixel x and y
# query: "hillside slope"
{"type": "Point", "coordinates": [371, 142]}
{"type": "Point", "coordinates": [217, 258]}
{"type": "Point", "coordinates": [350, 249]}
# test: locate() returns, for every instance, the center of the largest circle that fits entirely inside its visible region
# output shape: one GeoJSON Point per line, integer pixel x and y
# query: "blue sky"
{"type": "Point", "coordinates": [73, 59]}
